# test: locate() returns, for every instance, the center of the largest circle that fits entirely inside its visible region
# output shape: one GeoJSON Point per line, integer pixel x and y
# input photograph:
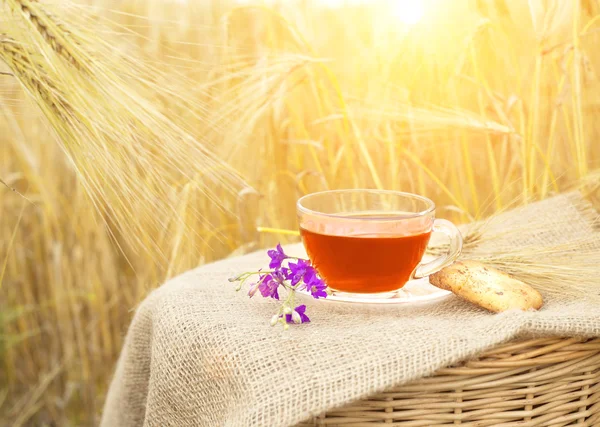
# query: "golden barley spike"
{"type": "Point", "coordinates": [50, 28]}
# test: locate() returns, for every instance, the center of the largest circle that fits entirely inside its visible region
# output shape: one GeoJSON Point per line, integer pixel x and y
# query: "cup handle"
{"type": "Point", "coordinates": [456, 242]}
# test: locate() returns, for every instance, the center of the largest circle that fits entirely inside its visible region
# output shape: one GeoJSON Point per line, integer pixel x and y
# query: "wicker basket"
{"type": "Point", "coordinates": [540, 382]}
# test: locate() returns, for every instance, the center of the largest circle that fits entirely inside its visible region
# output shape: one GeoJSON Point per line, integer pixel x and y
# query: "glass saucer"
{"type": "Point", "coordinates": [415, 291]}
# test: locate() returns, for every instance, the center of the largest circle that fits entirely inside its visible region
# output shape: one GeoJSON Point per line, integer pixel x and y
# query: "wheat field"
{"type": "Point", "coordinates": [139, 139]}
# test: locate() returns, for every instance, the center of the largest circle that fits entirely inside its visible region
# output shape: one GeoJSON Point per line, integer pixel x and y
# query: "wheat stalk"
{"type": "Point", "coordinates": [568, 269]}
{"type": "Point", "coordinates": [124, 132]}
{"type": "Point", "coordinates": [48, 26]}
{"type": "Point", "coordinates": [18, 59]}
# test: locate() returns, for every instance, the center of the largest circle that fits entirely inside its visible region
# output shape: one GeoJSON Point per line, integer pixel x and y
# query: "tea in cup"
{"type": "Point", "coordinates": [372, 241]}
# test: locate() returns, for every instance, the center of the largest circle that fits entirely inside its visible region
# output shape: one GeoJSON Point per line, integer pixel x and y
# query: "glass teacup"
{"type": "Point", "coordinates": [372, 241]}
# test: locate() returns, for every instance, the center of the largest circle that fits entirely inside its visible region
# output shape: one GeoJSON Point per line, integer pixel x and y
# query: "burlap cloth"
{"type": "Point", "coordinates": [199, 354]}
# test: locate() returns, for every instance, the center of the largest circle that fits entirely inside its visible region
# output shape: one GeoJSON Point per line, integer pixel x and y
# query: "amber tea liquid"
{"type": "Point", "coordinates": [365, 263]}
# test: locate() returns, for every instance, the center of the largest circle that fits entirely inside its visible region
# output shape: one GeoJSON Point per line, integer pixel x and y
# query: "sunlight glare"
{"type": "Point", "coordinates": [408, 11]}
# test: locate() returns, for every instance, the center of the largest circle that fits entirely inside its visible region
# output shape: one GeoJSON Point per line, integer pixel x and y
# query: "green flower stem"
{"type": "Point", "coordinates": [247, 274]}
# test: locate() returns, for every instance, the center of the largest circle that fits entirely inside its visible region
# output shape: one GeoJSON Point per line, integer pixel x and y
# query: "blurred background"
{"type": "Point", "coordinates": [142, 138]}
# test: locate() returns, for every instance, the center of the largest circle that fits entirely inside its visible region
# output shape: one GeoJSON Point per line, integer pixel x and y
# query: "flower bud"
{"type": "Point", "coordinates": [296, 317]}
{"type": "Point", "coordinates": [287, 310]}
{"type": "Point", "coordinates": [236, 278]}
{"type": "Point", "coordinates": [274, 319]}
{"type": "Point", "coordinates": [286, 327]}
{"type": "Point", "coordinates": [253, 289]}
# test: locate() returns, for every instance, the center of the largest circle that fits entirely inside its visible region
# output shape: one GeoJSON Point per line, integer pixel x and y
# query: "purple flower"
{"type": "Point", "coordinates": [317, 287]}
{"type": "Point", "coordinates": [280, 275]}
{"type": "Point", "coordinates": [301, 270]}
{"type": "Point", "coordinates": [268, 287]}
{"type": "Point", "coordinates": [277, 256]}
{"type": "Point", "coordinates": [297, 315]}
{"type": "Point", "coordinates": [294, 276]}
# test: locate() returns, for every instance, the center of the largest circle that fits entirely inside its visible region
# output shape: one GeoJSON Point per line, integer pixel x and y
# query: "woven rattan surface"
{"type": "Point", "coordinates": [549, 382]}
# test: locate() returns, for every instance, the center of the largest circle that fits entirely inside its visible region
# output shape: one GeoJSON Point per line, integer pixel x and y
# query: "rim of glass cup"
{"type": "Point", "coordinates": [429, 202]}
